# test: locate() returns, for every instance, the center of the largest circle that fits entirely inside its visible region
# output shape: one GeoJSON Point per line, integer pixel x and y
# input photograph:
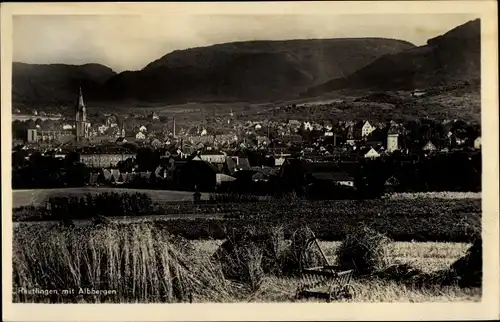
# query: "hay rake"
{"type": "Point", "coordinates": [327, 281]}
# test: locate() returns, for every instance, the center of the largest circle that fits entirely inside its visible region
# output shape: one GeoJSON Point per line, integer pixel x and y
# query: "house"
{"type": "Point", "coordinates": [197, 175]}
{"type": "Point", "coordinates": [102, 128]}
{"type": "Point", "coordinates": [477, 143]}
{"type": "Point", "coordinates": [329, 172]}
{"type": "Point", "coordinates": [235, 163]}
{"type": "Point", "coordinates": [221, 177]}
{"type": "Point", "coordinates": [367, 129]}
{"type": "Point", "coordinates": [392, 141]}
{"type": "Point", "coordinates": [213, 156]}
{"type": "Point", "coordinates": [417, 93]}
{"type": "Point", "coordinates": [315, 172]}
{"type": "Point", "coordinates": [369, 153]}
{"type": "Point", "coordinates": [293, 124]}
{"type": "Point", "coordinates": [105, 175]}
{"type": "Point", "coordinates": [117, 178]}
{"type": "Point", "coordinates": [104, 160]}
{"type": "Point", "coordinates": [143, 129]}
{"type": "Point", "coordinates": [38, 135]}
{"type": "Point", "coordinates": [93, 179]}
{"type": "Point", "coordinates": [140, 136]}
{"type": "Point", "coordinates": [429, 147]}
{"type": "Point", "coordinates": [308, 126]}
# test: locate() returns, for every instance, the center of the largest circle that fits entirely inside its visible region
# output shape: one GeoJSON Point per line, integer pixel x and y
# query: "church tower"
{"type": "Point", "coordinates": [82, 126]}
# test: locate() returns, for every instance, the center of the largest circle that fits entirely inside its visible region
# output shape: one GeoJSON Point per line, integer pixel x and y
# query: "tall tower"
{"type": "Point", "coordinates": [81, 124]}
{"type": "Point", "coordinates": [392, 142]}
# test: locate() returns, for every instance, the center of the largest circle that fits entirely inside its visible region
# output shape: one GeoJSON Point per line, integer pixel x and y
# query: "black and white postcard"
{"type": "Point", "coordinates": [319, 160]}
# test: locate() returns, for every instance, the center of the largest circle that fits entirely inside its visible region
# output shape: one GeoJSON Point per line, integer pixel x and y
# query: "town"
{"type": "Point", "coordinates": [227, 152]}
{"type": "Point", "coordinates": [250, 158]}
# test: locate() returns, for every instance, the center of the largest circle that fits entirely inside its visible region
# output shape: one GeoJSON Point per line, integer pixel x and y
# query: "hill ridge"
{"type": "Point", "coordinates": [449, 58]}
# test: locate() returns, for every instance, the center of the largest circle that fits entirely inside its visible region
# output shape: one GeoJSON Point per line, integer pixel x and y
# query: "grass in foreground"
{"type": "Point", "coordinates": [135, 261]}
{"type": "Point", "coordinates": [145, 264]}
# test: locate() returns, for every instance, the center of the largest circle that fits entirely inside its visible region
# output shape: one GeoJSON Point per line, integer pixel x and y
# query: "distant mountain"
{"type": "Point", "coordinates": [54, 85]}
{"type": "Point", "coordinates": [447, 59]}
{"type": "Point", "coordinates": [248, 71]}
{"type": "Point", "coordinates": [239, 71]}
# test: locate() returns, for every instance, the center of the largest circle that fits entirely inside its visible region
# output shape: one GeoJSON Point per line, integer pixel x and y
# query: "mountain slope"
{"type": "Point", "coordinates": [447, 59]}
{"type": "Point", "coordinates": [56, 84]}
{"type": "Point", "coordinates": [251, 71]}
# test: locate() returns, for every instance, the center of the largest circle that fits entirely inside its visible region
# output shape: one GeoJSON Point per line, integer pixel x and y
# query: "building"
{"type": "Point", "coordinates": [104, 160]}
{"type": "Point", "coordinates": [329, 171]}
{"type": "Point", "coordinates": [477, 143]}
{"type": "Point", "coordinates": [429, 147]}
{"type": "Point", "coordinates": [102, 128]}
{"type": "Point", "coordinates": [196, 175]}
{"type": "Point", "coordinates": [45, 136]}
{"type": "Point", "coordinates": [417, 93]}
{"type": "Point", "coordinates": [305, 173]}
{"type": "Point", "coordinates": [213, 156]}
{"type": "Point", "coordinates": [308, 126]}
{"type": "Point", "coordinates": [392, 142]}
{"type": "Point", "coordinates": [82, 126]}
{"type": "Point", "coordinates": [235, 164]}
{"type": "Point", "coordinates": [367, 129]}
{"type": "Point", "coordinates": [140, 136]}
{"type": "Point", "coordinates": [369, 153]}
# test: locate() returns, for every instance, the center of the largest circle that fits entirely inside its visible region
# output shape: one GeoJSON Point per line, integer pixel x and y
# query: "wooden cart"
{"type": "Point", "coordinates": [328, 281]}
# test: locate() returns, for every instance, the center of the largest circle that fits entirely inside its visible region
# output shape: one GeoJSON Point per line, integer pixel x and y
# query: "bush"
{"type": "Point", "coordinates": [232, 197]}
{"type": "Point", "coordinates": [467, 271]}
{"type": "Point", "coordinates": [103, 204]}
{"type": "Point", "coordinates": [364, 250]}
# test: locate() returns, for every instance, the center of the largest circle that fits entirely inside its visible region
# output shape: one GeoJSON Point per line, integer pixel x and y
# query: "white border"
{"type": "Point", "coordinates": [487, 309]}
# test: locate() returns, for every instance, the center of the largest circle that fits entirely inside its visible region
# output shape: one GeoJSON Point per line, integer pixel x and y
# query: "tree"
{"type": "Point", "coordinates": [147, 159]}
{"type": "Point", "coordinates": [72, 158]}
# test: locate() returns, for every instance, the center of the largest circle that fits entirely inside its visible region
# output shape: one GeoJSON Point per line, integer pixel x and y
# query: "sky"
{"type": "Point", "coordinates": [130, 42]}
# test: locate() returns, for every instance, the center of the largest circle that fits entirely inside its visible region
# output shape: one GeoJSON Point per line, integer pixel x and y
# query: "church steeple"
{"type": "Point", "coordinates": [81, 111]}
{"type": "Point", "coordinates": [81, 104]}
{"type": "Point", "coordinates": [82, 126]}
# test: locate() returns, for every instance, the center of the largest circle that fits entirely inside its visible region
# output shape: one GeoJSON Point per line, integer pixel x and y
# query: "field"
{"type": "Point", "coordinates": [157, 249]}
{"type": "Point", "coordinates": [38, 196]}
{"type": "Point", "coordinates": [142, 264]}
{"type": "Point", "coordinates": [428, 219]}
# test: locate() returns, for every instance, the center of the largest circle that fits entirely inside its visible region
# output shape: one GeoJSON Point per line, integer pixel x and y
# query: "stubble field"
{"type": "Point", "coordinates": [145, 259]}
